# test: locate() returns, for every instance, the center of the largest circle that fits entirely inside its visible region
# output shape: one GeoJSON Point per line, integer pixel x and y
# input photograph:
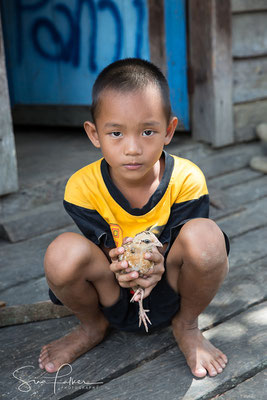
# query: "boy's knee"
{"type": "Point", "coordinates": [204, 244]}
{"type": "Point", "coordinates": [65, 256]}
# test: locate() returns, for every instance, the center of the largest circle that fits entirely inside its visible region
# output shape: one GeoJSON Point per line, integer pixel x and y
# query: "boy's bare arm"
{"type": "Point", "coordinates": [132, 279]}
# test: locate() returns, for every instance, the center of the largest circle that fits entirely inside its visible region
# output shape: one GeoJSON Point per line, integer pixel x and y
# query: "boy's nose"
{"type": "Point", "coordinates": [132, 147]}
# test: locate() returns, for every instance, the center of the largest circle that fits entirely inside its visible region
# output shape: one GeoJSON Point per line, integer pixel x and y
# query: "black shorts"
{"type": "Point", "coordinates": [163, 303]}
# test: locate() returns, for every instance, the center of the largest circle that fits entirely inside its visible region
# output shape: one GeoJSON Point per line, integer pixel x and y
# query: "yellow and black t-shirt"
{"type": "Point", "coordinates": [105, 216]}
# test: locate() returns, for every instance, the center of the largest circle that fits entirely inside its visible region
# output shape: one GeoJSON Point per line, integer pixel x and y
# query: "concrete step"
{"type": "Point", "coordinates": [27, 224]}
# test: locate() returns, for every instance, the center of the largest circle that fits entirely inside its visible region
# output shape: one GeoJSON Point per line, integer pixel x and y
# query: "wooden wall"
{"type": "Point", "coordinates": [249, 46]}
{"type": "Point", "coordinates": [8, 162]}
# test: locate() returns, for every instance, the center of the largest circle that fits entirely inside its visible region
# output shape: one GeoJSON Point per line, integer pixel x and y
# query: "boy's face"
{"type": "Point", "coordinates": [131, 130]}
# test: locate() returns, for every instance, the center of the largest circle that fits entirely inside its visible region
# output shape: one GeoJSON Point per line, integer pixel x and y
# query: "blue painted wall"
{"type": "Point", "coordinates": [176, 53]}
{"type": "Point", "coordinates": [55, 48]}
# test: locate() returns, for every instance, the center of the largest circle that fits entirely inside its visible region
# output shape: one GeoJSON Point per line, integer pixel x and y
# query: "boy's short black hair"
{"type": "Point", "coordinates": [130, 74]}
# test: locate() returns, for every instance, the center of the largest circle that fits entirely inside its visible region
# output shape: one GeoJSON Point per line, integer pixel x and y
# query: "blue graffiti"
{"type": "Point", "coordinates": [64, 52]}
{"type": "Point", "coordinates": [92, 38]}
{"type": "Point", "coordinates": [118, 21]}
{"type": "Point", "coordinates": [68, 50]}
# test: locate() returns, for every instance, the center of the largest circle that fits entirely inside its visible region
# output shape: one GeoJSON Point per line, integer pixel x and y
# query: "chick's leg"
{"type": "Point", "coordinates": [143, 318]}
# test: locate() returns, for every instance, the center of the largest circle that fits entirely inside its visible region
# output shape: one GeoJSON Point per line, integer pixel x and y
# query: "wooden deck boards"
{"type": "Point", "coordinates": [251, 389]}
{"type": "Point", "coordinates": [150, 366]}
{"type": "Point", "coordinates": [167, 377]}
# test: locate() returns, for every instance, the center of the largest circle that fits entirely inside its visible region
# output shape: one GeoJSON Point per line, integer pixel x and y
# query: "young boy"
{"type": "Point", "coordinates": [136, 186]}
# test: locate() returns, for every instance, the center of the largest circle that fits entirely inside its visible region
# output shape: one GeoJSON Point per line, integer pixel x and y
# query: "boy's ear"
{"type": "Point", "coordinates": [91, 132]}
{"type": "Point", "coordinates": [170, 130]}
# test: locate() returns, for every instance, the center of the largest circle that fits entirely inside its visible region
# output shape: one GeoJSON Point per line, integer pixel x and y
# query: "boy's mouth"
{"type": "Point", "coordinates": [132, 166]}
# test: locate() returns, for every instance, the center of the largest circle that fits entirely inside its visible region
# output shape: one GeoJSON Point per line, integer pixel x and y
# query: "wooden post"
{"type": "Point", "coordinates": [210, 60]}
{"type": "Point", "coordinates": [8, 161]}
{"type": "Point", "coordinates": [157, 34]}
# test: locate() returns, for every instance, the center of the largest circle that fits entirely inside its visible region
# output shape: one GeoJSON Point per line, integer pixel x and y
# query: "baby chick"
{"type": "Point", "coordinates": [134, 252]}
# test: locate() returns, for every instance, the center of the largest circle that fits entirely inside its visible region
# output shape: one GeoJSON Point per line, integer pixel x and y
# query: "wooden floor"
{"type": "Point", "coordinates": [132, 366]}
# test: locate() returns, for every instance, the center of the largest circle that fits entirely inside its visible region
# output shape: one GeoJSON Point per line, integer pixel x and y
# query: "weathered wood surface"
{"type": "Point", "coordinates": [248, 5]}
{"type": "Point", "coordinates": [246, 117]}
{"type": "Point", "coordinates": [234, 178]}
{"type": "Point", "coordinates": [20, 285]}
{"type": "Point", "coordinates": [242, 194]}
{"type": "Point", "coordinates": [244, 286]}
{"type": "Point", "coordinates": [251, 389]}
{"type": "Point", "coordinates": [118, 354]}
{"type": "Point", "coordinates": [210, 52]}
{"type": "Point", "coordinates": [167, 377]}
{"type": "Point", "coordinates": [249, 34]}
{"type": "Point", "coordinates": [24, 313]}
{"type": "Point", "coordinates": [157, 37]}
{"type": "Point", "coordinates": [246, 220]}
{"type": "Point", "coordinates": [249, 79]}
{"type": "Point", "coordinates": [249, 247]}
{"type": "Point", "coordinates": [8, 161]}
{"type": "Point", "coordinates": [28, 224]}
{"type": "Point", "coordinates": [228, 160]}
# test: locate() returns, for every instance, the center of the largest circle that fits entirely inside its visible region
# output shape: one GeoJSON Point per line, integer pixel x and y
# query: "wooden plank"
{"type": "Point", "coordinates": [234, 178]}
{"type": "Point", "coordinates": [242, 194]}
{"type": "Point", "coordinates": [246, 117]}
{"type": "Point", "coordinates": [228, 160]}
{"type": "Point", "coordinates": [249, 247]}
{"type": "Point", "coordinates": [248, 5]}
{"type": "Point", "coordinates": [157, 34]}
{"type": "Point", "coordinates": [255, 87]}
{"type": "Point", "coordinates": [30, 253]}
{"type": "Point", "coordinates": [40, 311]}
{"type": "Point", "coordinates": [221, 204]}
{"type": "Point", "coordinates": [218, 213]}
{"type": "Point", "coordinates": [8, 161]}
{"type": "Point", "coordinates": [244, 286]}
{"type": "Point", "coordinates": [254, 44]}
{"type": "Point", "coordinates": [250, 389]}
{"type": "Point", "coordinates": [243, 338]}
{"type": "Point", "coordinates": [249, 219]}
{"type": "Point", "coordinates": [211, 71]}
{"type": "Point", "coordinates": [29, 292]}
{"type": "Point", "coordinates": [39, 220]}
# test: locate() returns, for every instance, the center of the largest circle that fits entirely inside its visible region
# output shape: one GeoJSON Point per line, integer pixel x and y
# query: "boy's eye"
{"type": "Point", "coordinates": [148, 132]}
{"type": "Point", "coordinates": [116, 134]}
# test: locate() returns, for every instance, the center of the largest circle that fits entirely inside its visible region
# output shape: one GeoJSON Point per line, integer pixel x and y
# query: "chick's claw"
{"type": "Point", "coordinates": [143, 318]}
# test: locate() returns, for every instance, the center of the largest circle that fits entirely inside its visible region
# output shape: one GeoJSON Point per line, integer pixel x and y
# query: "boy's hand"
{"type": "Point", "coordinates": [131, 279]}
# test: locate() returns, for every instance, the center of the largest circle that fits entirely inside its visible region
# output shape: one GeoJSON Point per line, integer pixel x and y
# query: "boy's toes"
{"type": "Point", "coordinates": [212, 371]}
{"type": "Point", "coordinates": [217, 367]}
{"type": "Point", "coordinates": [199, 372]}
{"type": "Point", "coordinates": [221, 362]}
{"type": "Point", "coordinates": [50, 367]}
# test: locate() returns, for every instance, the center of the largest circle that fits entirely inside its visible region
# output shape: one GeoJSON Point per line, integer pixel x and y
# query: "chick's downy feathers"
{"type": "Point", "coordinates": [135, 250]}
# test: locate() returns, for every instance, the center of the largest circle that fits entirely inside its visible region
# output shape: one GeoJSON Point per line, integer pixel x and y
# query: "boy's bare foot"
{"type": "Point", "coordinates": [69, 347]}
{"type": "Point", "coordinates": [200, 354]}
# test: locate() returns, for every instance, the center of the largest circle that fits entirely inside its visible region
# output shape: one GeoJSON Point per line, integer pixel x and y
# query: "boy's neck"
{"type": "Point", "coordinates": [139, 192]}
